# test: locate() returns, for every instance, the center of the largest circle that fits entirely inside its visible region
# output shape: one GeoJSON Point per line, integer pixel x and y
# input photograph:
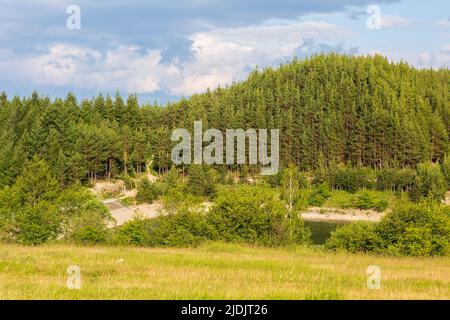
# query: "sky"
{"type": "Point", "coordinates": [165, 50]}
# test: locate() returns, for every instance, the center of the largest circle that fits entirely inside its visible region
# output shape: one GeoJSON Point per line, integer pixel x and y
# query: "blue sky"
{"type": "Point", "coordinates": [163, 50]}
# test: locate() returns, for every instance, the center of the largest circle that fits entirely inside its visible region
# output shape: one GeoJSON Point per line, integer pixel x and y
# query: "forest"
{"type": "Point", "coordinates": [346, 123]}
{"type": "Point", "coordinates": [330, 109]}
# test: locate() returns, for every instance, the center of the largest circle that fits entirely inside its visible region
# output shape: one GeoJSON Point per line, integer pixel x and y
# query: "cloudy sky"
{"type": "Point", "coordinates": [163, 50]}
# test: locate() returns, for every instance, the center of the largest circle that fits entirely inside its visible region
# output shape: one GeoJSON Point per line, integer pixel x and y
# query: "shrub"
{"type": "Point", "coordinates": [380, 205]}
{"type": "Point", "coordinates": [414, 230]}
{"type": "Point", "coordinates": [386, 179]}
{"type": "Point", "coordinates": [428, 182]}
{"type": "Point", "coordinates": [366, 202]}
{"type": "Point", "coordinates": [319, 195]}
{"type": "Point", "coordinates": [251, 214]}
{"type": "Point", "coordinates": [90, 235]}
{"type": "Point", "coordinates": [35, 209]}
{"type": "Point", "coordinates": [134, 233]}
{"type": "Point", "coordinates": [84, 218]}
{"type": "Point", "coordinates": [148, 192]}
{"type": "Point", "coordinates": [186, 228]}
{"type": "Point", "coordinates": [177, 198]}
{"type": "Point", "coordinates": [182, 229]}
{"type": "Point", "coordinates": [355, 237]}
{"type": "Point", "coordinates": [422, 229]}
{"type": "Point", "coordinates": [201, 181]}
{"type": "Point", "coordinates": [36, 225]}
{"type": "Point", "coordinates": [274, 180]}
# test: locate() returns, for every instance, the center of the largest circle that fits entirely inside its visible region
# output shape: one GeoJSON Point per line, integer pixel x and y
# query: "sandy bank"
{"type": "Point", "coordinates": [334, 214]}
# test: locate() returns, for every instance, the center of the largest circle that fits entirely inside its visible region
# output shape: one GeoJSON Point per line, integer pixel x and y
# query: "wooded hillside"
{"type": "Point", "coordinates": [330, 109]}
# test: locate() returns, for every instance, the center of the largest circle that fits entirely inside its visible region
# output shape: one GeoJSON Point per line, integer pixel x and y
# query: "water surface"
{"type": "Point", "coordinates": [321, 230]}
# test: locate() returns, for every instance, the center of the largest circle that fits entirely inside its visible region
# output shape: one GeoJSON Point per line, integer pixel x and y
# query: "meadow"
{"type": "Point", "coordinates": [215, 271]}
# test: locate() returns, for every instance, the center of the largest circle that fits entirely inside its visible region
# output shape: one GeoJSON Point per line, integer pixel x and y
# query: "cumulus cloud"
{"type": "Point", "coordinates": [124, 68]}
{"type": "Point", "coordinates": [217, 57]}
{"type": "Point", "coordinates": [444, 23]}
{"type": "Point", "coordinates": [435, 60]}
{"type": "Point", "coordinates": [220, 56]}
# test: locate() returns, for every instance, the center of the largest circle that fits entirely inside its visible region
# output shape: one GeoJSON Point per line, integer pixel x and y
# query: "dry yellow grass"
{"type": "Point", "coordinates": [215, 271]}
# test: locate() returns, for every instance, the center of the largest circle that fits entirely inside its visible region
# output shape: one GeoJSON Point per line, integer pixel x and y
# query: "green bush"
{"type": "Point", "coordinates": [366, 202]}
{"type": "Point", "coordinates": [319, 195]}
{"type": "Point", "coordinates": [422, 229]}
{"type": "Point", "coordinates": [37, 224]}
{"type": "Point", "coordinates": [380, 205]}
{"type": "Point", "coordinates": [36, 210]}
{"type": "Point", "coordinates": [252, 214]}
{"type": "Point", "coordinates": [84, 218]}
{"type": "Point", "coordinates": [183, 229]}
{"type": "Point", "coordinates": [428, 182]}
{"type": "Point", "coordinates": [445, 168]}
{"type": "Point", "coordinates": [134, 233]}
{"type": "Point", "coordinates": [201, 181]}
{"type": "Point", "coordinates": [147, 192]}
{"type": "Point", "coordinates": [90, 235]}
{"type": "Point", "coordinates": [413, 230]}
{"type": "Point", "coordinates": [355, 237]}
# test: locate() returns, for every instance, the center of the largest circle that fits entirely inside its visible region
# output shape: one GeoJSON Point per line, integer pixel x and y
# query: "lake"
{"type": "Point", "coordinates": [321, 230]}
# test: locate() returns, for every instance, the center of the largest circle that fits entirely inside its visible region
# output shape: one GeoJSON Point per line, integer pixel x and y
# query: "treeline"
{"type": "Point", "coordinates": [331, 109]}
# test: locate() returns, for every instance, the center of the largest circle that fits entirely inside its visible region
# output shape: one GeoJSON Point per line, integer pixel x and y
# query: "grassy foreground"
{"type": "Point", "coordinates": [215, 271]}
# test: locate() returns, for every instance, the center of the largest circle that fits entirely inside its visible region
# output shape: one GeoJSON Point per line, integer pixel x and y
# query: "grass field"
{"type": "Point", "coordinates": [215, 271]}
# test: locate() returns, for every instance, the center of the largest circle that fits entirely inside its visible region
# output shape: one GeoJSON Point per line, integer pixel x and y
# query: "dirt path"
{"type": "Point", "coordinates": [122, 214]}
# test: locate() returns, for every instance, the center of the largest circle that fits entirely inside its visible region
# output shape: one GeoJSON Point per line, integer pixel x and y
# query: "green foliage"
{"type": "Point", "coordinates": [365, 201]}
{"type": "Point", "coordinates": [373, 113]}
{"type": "Point", "coordinates": [172, 179]}
{"type": "Point", "coordinates": [319, 195]}
{"type": "Point", "coordinates": [445, 167]}
{"type": "Point", "coordinates": [350, 179]}
{"type": "Point", "coordinates": [274, 180]}
{"type": "Point", "coordinates": [414, 230]}
{"type": "Point", "coordinates": [37, 224]}
{"type": "Point", "coordinates": [421, 229]}
{"type": "Point", "coordinates": [35, 210]}
{"type": "Point", "coordinates": [177, 199]}
{"type": "Point", "coordinates": [201, 181]}
{"type": "Point", "coordinates": [252, 214]}
{"type": "Point", "coordinates": [290, 184]}
{"type": "Point", "coordinates": [147, 192]}
{"type": "Point", "coordinates": [185, 228]}
{"type": "Point", "coordinates": [90, 234]}
{"type": "Point", "coordinates": [355, 237]}
{"type": "Point", "coordinates": [428, 182]}
{"type": "Point", "coordinates": [134, 233]}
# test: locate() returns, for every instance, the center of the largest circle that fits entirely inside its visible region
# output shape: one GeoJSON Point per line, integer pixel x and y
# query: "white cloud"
{"type": "Point", "coordinates": [444, 23]}
{"type": "Point", "coordinates": [432, 59]}
{"type": "Point", "coordinates": [125, 68]}
{"type": "Point", "coordinates": [436, 59]}
{"type": "Point", "coordinates": [219, 56]}
{"type": "Point", "coordinates": [223, 55]}
{"type": "Point", "coordinates": [391, 21]}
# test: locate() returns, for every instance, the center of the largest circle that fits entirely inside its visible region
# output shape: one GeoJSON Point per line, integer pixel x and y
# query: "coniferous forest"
{"type": "Point", "coordinates": [330, 109]}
